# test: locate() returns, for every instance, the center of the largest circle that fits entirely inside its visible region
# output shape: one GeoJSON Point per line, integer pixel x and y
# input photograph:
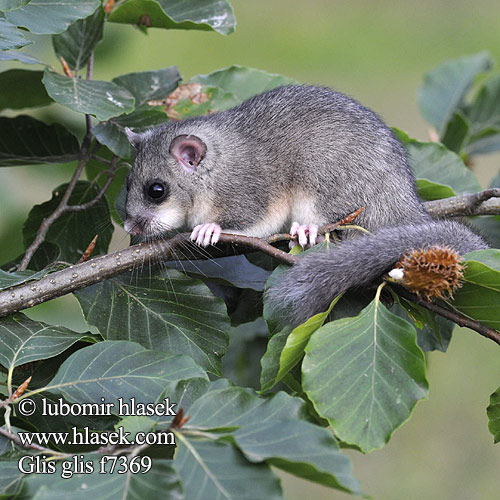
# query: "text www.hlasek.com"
{"type": "Point", "coordinates": [86, 436]}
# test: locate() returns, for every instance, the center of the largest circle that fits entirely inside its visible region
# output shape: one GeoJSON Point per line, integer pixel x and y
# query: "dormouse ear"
{"type": "Point", "coordinates": [134, 138]}
{"type": "Point", "coordinates": [188, 150]}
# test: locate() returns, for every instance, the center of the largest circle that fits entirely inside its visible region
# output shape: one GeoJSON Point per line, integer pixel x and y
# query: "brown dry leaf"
{"type": "Point", "coordinates": [192, 91]}
{"type": "Point", "coordinates": [20, 390]}
{"type": "Point", "coordinates": [66, 68]}
{"type": "Point", "coordinates": [108, 7]}
{"type": "Point", "coordinates": [145, 20]}
{"type": "Point", "coordinates": [89, 250]}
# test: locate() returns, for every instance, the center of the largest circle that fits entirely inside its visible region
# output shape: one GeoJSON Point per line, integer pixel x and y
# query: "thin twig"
{"type": "Point", "coordinates": [327, 228]}
{"type": "Point", "coordinates": [90, 70]}
{"type": "Point", "coordinates": [83, 159]}
{"type": "Point", "coordinates": [101, 193]}
{"type": "Point", "coordinates": [61, 208]}
{"type": "Point", "coordinates": [455, 317]}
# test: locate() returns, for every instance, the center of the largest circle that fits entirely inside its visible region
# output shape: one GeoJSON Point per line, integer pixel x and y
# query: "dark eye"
{"type": "Point", "coordinates": [156, 191]}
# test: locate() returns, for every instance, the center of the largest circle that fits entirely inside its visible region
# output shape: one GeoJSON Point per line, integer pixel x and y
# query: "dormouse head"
{"type": "Point", "coordinates": [163, 181]}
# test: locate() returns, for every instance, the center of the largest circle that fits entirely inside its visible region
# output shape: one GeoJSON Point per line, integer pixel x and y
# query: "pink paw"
{"type": "Point", "coordinates": [206, 234]}
{"type": "Point", "coordinates": [307, 234]}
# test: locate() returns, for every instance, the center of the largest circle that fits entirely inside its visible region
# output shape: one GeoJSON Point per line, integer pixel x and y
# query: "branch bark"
{"type": "Point", "coordinates": [15, 439]}
{"type": "Point", "coordinates": [453, 316]}
{"type": "Point", "coordinates": [104, 267]}
{"type": "Point", "coordinates": [92, 271]}
{"type": "Point", "coordinates": [483, 203]}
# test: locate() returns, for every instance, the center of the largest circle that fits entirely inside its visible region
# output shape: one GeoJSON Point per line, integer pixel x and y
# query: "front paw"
{"type": "Point", "coordinates": [206, 234]}
{"type": "Point", "coordinates": [307, 234]}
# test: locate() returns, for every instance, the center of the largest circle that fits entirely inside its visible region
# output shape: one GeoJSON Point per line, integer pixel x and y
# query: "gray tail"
{"type": "Point", "coordinates": [311, 284]}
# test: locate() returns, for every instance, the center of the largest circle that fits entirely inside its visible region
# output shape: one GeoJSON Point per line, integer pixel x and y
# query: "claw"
{"type": "Point", "coordinates": [307, 234]}
{"type": "Point", "coordinates": [206, 234]}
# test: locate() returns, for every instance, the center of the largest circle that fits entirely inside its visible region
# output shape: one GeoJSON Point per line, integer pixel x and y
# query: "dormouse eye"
{"type": "Point", "coordinates": [156, 191]}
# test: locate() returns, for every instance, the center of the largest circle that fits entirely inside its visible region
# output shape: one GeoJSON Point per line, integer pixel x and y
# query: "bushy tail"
{"type": "Point", "coordinates": [312, 283]}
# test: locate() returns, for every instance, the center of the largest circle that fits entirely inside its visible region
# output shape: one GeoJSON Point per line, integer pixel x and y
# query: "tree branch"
{"type": "Point", "coordinates": [483, 203]}
{"type": "Point", "coordinates": [15, 439]}
{"type": "Point", "coordinates": [103, 267]}
{"type": "Point", "coordinates": [453, 316]}
{"type": "Point", "coordinates": [87, 273]}
{"type": "Point", "coordinates": [92, 271]}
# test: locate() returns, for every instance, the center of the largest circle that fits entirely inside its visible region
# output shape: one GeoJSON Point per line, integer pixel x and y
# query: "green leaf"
{"type": "Point", "coordinates": [235, 270]}
{"type": "Point", "coordinates": [293, 350]}
{"type": "Point", "coordinates": [221, 407]}
{"type": "Point", "coordinates": [445, 87]}
{"type": "Point", "coordinates": [493, 412]}
{"type": "Point", "coordinates": [298, 339]}
{"type": "Point", "coordinates": [300, 448]}
{"type": "Point", "coordinates": [6, 446]}
{"type": "Point", "coordinates": [247, 345]}
{"type": "Point", "coordinates": [486, 141]}
{"type": "Point", "coordinates": [484, 115]}
{"type": "Point", "coordinates": [48, 18]}
{"type": "Point", "coordinates": [429, 191]}
{"type": "Point", "coordinates": [13, 55]}
{"type": "Point", "coordinates": [103, 100]}
{"type": "Point", "coordinates": [365, 375]}
{"type": "Point", "coordinates": [112, 132]}
{"type": "Point", "coordinates": [11, 478]}
{"type": "Point", "coordinates": [485, 110]}
{"type": "Point", "coordinates": [95, 173]}
{"type": "Point", "coordinates": [45, 259]}
{"type": "Point", "coordinates": [223, 472]}
{"type": "Point", "coordinates": [16, 278]}
{"type": "Point", "coordinates": [135, 424]}
{"type": "Point", "coordinates": [165, 310]}
{"type": "Point", "coordinates": [12, 4]}
{"type": "Point", "coordinates": [120, 369]}
{"type": "Point", "coordinates": [73, 231]}
{"type": "Point", "coordinates": [33, 94]}
{"type": "Point", "coordinates": [186, 392]}
{"type": "Point", "coordinates": [23, 340]}
{"type": "Point", "coordinates": [433, 331]}
{"type": "Point", "coordinates": [479, 298]}
{"type": "Point", "coordinates": [232, 407]}
{"type": "Point", "coordinates": [270, 362]}
{"type": "Point", "coordinates": [160, 483]}
{"type": "Point", "coordinates": [26, 141]}
{"type": "Point", "coordinates": [76, 44]}
{"type": "Point", "coordinates": [216, 15]}
{"type": "Point", "coordinates": [150, 85]}
{"type": "Point", "coordinates": [11, 37]}
{"type": "Point", "coordinates": [436, 164]}
{"type": "Point", "coordinates": [243, 82]}
{"type": "Point", "coordinates": [456, 133]}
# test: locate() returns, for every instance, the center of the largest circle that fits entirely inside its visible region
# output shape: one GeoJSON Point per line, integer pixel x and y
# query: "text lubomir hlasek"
{"type": "Point", "coordinates": [121, 408]}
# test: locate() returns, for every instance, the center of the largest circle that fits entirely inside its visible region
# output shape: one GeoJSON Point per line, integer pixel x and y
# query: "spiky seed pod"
{"type": "Point", "coordinates": [432, 272]}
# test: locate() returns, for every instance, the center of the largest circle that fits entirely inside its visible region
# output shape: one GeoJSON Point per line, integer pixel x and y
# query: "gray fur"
{"type": "Point", "coordinates": [291, 141]}
{"type": "Point", "coordinates": [309, 286]}
{"type": "Point", "coordinates": [295, 153]}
